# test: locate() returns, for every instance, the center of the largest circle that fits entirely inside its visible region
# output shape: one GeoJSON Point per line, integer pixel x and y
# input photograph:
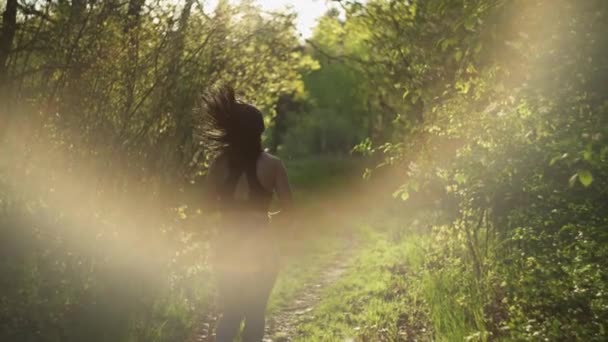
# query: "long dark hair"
{"type": "Point", "coordinates": [231, 127]}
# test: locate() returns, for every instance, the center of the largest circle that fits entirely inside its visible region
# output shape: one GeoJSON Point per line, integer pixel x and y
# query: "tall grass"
{"type": "Point", "coordinates": [392, 292]}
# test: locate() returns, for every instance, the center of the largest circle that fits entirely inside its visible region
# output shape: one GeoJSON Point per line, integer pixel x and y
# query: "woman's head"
{"type": "Point", "coordinates": [231, 126]}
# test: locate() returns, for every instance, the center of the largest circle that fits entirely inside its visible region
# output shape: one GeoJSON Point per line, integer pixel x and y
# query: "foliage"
{"type": "Point", "coordinates": [522, 123]}
{"type": "Point", "coordinates": [490, 114]}
{"type": "Point", "coordinates": [102, 231]}
{"type": "Point", "coordinates": [498, 117]}
{"type": "Point", "coordinates": [373, 301]}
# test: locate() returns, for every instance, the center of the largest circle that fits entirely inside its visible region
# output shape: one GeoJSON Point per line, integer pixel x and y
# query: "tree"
{"type": "Point", "coordinates": [7, 35]}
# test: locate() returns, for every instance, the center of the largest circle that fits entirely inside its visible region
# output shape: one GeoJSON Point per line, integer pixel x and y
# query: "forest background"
{"type": "Point", "coordinates": [480, 125]}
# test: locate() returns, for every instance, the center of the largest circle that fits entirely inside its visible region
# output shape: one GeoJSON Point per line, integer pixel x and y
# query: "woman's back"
{"type": "Point", "coordinates": [251, 184]}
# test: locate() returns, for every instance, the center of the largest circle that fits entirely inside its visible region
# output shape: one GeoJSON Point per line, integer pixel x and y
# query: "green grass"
{"type": "Point", "coordinates": [371, 301]}
{"type": "Point", "coordinates": [390, 294]}
{"type": "Point", "coordinates": [445, 302]}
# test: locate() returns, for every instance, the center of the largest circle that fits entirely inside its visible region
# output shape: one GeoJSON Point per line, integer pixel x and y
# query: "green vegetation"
{"type": "Point", "coordinates": [373, 301]}
{"type": "Point", "coordinates": [460, 145]}
{"type": "Point", "coordinates": [507, 140]}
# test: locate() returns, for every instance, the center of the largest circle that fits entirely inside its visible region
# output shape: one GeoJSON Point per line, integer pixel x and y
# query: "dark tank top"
{"type": "Point", "coordinates": [242, 247]}
{"type": "Point", "coordinates": [258, 198]}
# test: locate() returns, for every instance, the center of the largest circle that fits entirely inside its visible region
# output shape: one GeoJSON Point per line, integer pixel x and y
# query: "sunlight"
{"type": "Point", "coordinates": [308, 11]}
{"type": "Point", "coordinates": [434, 170]}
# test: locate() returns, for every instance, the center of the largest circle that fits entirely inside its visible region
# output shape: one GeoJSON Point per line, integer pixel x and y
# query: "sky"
{"type": "Point", "coordinates": [308, 11]}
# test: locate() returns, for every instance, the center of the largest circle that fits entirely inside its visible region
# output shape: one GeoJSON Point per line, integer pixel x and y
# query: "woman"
{"type": "Point", "coordinates": [240, 184]}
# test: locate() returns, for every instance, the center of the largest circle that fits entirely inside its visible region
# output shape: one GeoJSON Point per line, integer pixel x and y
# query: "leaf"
{"type": "Point", "coordinates": [414, 185]}
{"type": "Point", "coordinates": [446, 43]}
{"type": "Point", "coordinates": [585, 177]}
{"type": "Point", "coordinates": [572, 179]}
{"type": "Point", "coordinates": [554, 160]}
{"type": "Point", "coordinates": [460, 178]}
{"type": "Point", "coordinates": [588, 153]}
{"type": "Point", "coordinates": [402, 193]}
{"type": "Point", "coordinates": [558, 158]}
{"type": "Point", "coordinates": [458, 55]}
{"type": "Point", "coordinates": [469, 23]}
{"type": "Point", "coordinates": [462, 87]}
{"type": "Point", "coordinates": [397, 192]}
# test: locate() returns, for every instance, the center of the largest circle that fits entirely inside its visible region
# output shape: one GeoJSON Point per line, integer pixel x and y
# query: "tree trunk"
{"type": "Point", "coordinates": [77, 9]}
{"type": "Point", "coordinates": [178, 42]}
{"type": "Point", "coordinates": [132, 63]}
{"type": "Point", "coordinates": [175, 149]}
{"type": "Point", "coordinates": [285, 104]}
{"type": "Point", "coordinates": [7, 34]}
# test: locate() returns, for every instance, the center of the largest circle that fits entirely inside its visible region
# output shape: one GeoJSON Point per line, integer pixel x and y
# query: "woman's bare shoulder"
{"type": "Point", "coordinates": [270, 158]}
{"type": "Point", "coordinates": [274, 165]}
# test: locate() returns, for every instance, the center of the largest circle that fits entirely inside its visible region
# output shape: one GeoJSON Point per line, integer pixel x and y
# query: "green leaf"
{"type": "Point", "coordinates": [460, 178]}
{"type": "Point", "coordinates": [469, 23]}
{"type": "Point", "coordinates": [585, 177]}
{"type": "Point", "coordinates": [401, 192]}
{"type": "Point", "coordinates": [572, 179]}
{"type": "Point", "coordinates": [414, 185]}
{"type": "Point", "coordinates": [588, 153]}
{"type": "Point", "coordinates": [553, 161]}
{"type": "Point", "coordinates": [558, 158]}
{"type": "Point", "coordinates": [458, 55]}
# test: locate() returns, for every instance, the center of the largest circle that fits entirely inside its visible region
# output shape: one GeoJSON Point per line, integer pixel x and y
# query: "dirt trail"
{"type": "Point", "coordinates": [282, 326]}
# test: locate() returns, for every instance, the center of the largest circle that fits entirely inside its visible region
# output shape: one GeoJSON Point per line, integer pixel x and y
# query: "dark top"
{"type": "Point", "coordinates": [258, 198]}
{"type": "Point", "coordinates": [245, 245]}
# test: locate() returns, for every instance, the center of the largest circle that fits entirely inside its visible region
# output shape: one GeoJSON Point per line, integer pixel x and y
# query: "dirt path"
{"type": "Point", "coordinates": [282, 326]}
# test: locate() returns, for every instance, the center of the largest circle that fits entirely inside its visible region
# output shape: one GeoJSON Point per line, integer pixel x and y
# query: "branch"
{"type": "Point", "coordinates": [340, 57]}
{"type": "Point", "coordinates": [31, 10]}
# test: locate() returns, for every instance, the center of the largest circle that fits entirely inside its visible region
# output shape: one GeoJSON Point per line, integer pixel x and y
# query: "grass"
{"type": "Point", "coordinates": [371, 302]}
{"type": "Point", "coordinates": [389, 293]}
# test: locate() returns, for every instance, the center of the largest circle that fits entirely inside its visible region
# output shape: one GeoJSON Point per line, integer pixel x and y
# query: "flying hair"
{"type": "Point", "coordinates": [230, 126]}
